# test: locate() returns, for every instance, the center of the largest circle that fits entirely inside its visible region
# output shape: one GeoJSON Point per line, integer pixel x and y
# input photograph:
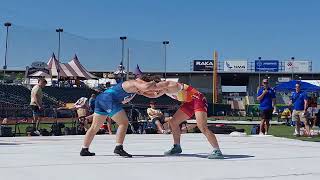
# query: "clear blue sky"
{"type": "Point", "coordinates": [238, 29]}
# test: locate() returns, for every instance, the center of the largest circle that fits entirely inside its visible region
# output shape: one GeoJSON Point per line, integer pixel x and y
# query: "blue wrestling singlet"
{"type": "Point", "coordinates": [109, 102]}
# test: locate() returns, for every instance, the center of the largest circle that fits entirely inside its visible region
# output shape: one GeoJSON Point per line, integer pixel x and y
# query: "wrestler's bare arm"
{"type": "Point", "coordinates": [145, 86]}
{"type": "Point", "coordinates": [167, 86]}
{"type": "Point", "coordinates": [154, 94]}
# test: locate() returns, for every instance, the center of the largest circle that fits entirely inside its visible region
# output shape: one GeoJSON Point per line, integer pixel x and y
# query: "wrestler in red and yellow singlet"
{"type": "Point", "coordinates": [192, 100]}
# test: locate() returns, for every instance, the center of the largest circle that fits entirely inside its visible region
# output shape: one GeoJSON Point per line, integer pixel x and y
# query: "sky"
{"type": "Point", "coordinates": [237, 29]}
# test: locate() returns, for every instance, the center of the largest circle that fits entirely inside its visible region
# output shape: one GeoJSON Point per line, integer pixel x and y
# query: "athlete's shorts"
{"type": "Point", "coordinates": [105, 105]}
{"type": "Point", "coordinates": [35, 110]}
{"type": "Point", "coordinates": [198, 103]}
{"type": "Point", "coordinates": [266, 114]}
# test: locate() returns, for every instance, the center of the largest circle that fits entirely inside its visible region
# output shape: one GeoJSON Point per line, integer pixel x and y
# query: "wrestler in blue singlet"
{"type": "Point", "coordinates": [109, 102]}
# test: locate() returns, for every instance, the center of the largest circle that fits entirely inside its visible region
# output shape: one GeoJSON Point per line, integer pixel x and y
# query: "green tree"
{"type": "Point", "coordinates": [20, 76]}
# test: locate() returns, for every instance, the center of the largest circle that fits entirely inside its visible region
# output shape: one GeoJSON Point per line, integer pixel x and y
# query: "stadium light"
{"type": "Point", "coordinates": [165, 43]}
{"type": "Point", "coordinates": [59, 31]}
{"type": "Point", "coordinates": [7, 25]}
{"type": "Point", "coordinates": [122, 38]}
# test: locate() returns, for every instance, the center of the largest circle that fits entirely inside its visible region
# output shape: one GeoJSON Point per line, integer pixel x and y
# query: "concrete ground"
{"type": "Point", "coordinates": [248, 157]}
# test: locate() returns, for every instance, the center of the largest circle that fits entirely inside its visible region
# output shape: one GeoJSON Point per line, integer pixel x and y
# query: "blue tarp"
{"type": "Point", "coordinates": [290, 86]}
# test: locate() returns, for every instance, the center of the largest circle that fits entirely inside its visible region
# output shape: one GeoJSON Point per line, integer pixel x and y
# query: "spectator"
{"type": "Point", "coordinates": [313, 108]}
{"type": "Point", "coordinates": [36, 102]}
{"type": "Point", "coordinates": [82, 107]}
{"type": "Point", "coordinates": [156, 117]}
{"type": "Point", "coordinates": [312, 102]}
{"type": "Point", "coordinates": [299, 100]}
{"type": "Point", "coordinates": [286, 115]}
{"type": "Point", "coordinates": [267, 98]}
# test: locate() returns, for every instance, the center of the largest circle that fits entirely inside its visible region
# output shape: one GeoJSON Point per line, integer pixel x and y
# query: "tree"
{"type": "Point", "coordinates": [20, 76]}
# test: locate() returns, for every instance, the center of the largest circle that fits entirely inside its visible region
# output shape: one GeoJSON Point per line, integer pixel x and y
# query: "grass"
{"type": "Point", "coordinates": [280, 131]}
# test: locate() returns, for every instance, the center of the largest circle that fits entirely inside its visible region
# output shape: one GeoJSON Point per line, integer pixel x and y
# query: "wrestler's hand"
{"type": "Point", "coordinates": [151, 92]}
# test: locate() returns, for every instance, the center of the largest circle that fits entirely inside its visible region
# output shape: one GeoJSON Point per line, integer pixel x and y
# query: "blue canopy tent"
{"type": "Point", "coordinates": [291, 86]}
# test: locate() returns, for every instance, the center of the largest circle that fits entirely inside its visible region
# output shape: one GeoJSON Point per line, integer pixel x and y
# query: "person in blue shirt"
{"type": "Point", "coordinates": [109, 104]}
{"type": "Point", "coordinates": [267, 98]}
{"type": "Point", "coordinates": [299, 100]}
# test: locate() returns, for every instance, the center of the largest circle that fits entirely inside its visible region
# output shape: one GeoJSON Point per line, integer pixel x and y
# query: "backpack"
{"type": "Point", "coordinates": [56, 129]}
{"type": "Point", "coordinates": [44, 132]}
{"type": "Point", "coordinates": [255, 129]}
{"type": "Point", "coordinates": [31, 130]}
{"type": "Point", "coordinates": [6, 131]}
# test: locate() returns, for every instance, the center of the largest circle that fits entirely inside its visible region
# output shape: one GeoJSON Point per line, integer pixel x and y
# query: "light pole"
{"type": "Point", "coordinates": [59, 31]}
{"type": "Point", "coordinates": [165, 43]}
{"type": "Point", "coordinates": [259, 69]}
{"type": "Point", "coordinates": [292, 67]}
{"type": "Point", "coordinates": [7, 25]}
{"type": "Point", "coordinates": [122, 38]}
{"type": "Point", "coordinates": [128, 63]}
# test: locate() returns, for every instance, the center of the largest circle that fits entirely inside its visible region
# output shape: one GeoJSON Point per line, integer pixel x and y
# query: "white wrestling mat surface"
{"type": "Point", "coordinates": [249, 157]}
{"type": "Point", "coordinates": [193, 121]}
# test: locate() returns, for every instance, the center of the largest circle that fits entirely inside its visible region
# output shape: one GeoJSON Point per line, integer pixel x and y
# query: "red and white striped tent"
{"type": "Point", "coordinates": [81, 72]}
{"type": "Point", "coordinates": [39, 74]}
{"type": "Point", "coordinates": [70, 70]}
{"type": "Point", "coordinates": [53, 66]}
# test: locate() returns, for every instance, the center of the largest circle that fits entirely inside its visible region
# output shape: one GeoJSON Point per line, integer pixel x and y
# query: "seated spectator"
{"type": "Point", "coordinates": [157, 117]}
{"type": "Point", "coordinates": [82, 107]}
{"type": "Point", "coordinates": [286, 115]}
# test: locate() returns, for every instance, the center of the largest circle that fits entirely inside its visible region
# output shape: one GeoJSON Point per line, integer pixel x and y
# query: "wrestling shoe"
{"type": "Point", "coordinates": [176, 149]}
{"type": "Point", "coordinates": [216, 154]}
{"type": "Point", "coordinates": [118, 150]}
{"type": "Point", "coordinates": [86, 152]}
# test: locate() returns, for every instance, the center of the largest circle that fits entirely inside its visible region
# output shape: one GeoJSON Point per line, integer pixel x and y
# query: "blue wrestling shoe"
{"type": "Point", "coordinates": [176, 149]}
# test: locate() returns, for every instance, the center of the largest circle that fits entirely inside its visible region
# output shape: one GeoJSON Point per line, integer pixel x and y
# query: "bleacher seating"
{"type": "Point", "coordinates": [15, 99]}
{"type": "Point", "coordinates": [20, 96]}
{"type": "Point", "coordinates": [14, 94]}
{"type": "Point", "coordinates": [66, 94]}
